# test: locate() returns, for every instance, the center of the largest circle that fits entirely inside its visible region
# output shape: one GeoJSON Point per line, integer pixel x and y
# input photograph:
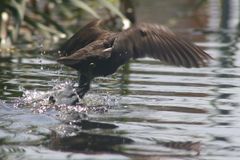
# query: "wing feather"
{"type": "Point", "coordinates": [160, 43]}
{"type": "Point", "coordinates": [82, 38]}
{"type": "Point", "coordinates": [91, 53]}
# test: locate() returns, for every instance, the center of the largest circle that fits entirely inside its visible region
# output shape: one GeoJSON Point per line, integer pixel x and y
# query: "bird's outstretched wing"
{"type": "Point", "coordinates": [159, 42]}
{"type": "Point", "coordinates": [83, 37]}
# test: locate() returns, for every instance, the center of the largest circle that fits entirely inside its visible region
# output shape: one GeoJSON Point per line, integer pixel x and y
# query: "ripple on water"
{"type": "Point", "coordinates": [152, 110]}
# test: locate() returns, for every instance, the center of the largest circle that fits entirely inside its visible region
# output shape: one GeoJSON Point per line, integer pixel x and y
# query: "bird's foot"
{"type": "Point", "coordinates": [80, 91]}
{"type": "Point", "coordinates": [65, 95]}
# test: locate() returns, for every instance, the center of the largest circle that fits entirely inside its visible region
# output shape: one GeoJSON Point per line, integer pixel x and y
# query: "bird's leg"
{"type": "Point", "coordinates": [83, 85]}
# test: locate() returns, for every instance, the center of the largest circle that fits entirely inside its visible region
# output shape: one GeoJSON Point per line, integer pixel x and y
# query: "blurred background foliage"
{"type": "Point", "coordinates": [29, 21]}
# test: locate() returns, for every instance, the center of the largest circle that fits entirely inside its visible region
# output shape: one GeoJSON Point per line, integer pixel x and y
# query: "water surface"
{"type": "Point", "coordinates": [146, 110]}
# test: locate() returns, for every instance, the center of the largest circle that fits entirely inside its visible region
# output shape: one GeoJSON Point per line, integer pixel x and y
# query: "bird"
{"type": "Point", "coordinates": [94, 51]}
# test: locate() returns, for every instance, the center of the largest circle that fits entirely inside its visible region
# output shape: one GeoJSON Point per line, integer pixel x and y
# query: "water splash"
{"type": "Point", "coordinates": [63, 98]}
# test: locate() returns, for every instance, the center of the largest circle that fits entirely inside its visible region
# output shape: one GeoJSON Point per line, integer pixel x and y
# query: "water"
{"type": "Point", "coordinates": [145, 111]}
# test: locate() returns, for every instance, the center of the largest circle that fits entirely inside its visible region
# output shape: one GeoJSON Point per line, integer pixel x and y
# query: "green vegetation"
{"type": "Point", "coordinates": [23, 20]}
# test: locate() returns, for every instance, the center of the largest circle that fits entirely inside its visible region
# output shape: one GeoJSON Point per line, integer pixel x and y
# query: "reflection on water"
{"type": "Point", "coordinates": [145, 111]}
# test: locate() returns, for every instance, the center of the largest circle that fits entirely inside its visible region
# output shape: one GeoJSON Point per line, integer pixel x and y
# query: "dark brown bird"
{"type": "Point", "coordinates": [94, 52]}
